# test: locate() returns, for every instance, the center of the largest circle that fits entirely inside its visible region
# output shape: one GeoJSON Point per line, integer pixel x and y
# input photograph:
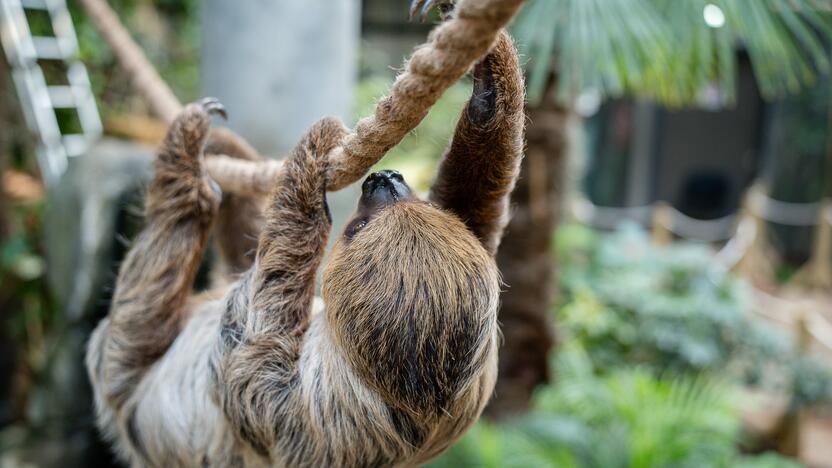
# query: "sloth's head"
{"type": "Point", "coordinates": [411, 296]}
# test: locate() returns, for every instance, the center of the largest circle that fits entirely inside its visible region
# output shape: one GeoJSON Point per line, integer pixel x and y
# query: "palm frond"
{"type": "Point", "coordinates": [664, 49]}
{"type": "Point", "coordinates": [787, 41]}
{"type": "Point", "coordinates": [702, 56]}
{"type": "Point", "coordinates": [604, 45]}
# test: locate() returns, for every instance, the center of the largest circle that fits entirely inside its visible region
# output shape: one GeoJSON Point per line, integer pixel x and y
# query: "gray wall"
{"type": "Point", "coordinates": [280, 65]}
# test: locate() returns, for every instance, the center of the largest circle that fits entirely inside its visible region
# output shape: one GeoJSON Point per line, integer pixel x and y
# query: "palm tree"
{"type": "Point", "coordinates": [667, 51]}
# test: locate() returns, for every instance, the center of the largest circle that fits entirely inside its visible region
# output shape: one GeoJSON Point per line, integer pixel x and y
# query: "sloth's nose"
{"type": "Point", "coordinates": [384, 187]}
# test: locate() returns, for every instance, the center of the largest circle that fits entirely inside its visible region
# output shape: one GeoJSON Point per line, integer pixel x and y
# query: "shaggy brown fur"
{"type": "Point", "coordinates": [487, 147]}
{"type": "Point", "coordinates": [240, 218]}
{"type": "Point", "coordinates": [148, 309]}
{"type": "Point", "coordinates": [397, 366]}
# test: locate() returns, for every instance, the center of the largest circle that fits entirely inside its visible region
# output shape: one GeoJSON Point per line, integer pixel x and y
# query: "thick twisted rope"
{"type": "Point", "coordinates": [452, 48]}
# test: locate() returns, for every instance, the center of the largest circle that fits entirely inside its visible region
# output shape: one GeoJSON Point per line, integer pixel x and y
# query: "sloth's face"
{"type": "Point", "coordinates": [408, 283]}
{"type": "Point", "coordinates": [379, 190]}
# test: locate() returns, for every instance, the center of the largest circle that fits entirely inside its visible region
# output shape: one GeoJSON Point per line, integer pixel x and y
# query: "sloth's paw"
{"type": "Point", "coordinates": [189, 131]}
{"type": "Point", "coordinates": [182, 154]}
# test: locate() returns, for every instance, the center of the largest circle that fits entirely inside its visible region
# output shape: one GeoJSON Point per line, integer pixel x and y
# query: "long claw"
{"type": "Point", "coordinates": [213, 106]}
{"type": "Point", "coordinates": [426, 8]}
{"type": "Point", "coordinates": [423, 7]}
{"type": "Point", "coordinates": [415, 6]}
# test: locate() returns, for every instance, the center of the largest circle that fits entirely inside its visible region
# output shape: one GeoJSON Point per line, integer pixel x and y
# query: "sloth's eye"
{"type": "Point", "coordinates": [356, 226]}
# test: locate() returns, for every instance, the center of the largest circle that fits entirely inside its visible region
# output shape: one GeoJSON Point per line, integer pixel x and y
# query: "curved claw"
{"type": "Point", "coordinates": [415, 5]}
{"type": "Point", "coordinates": [423, 7]}
{"type": "Point", "coordinates": [215, 187]}
{"type": "Point", "coordinates": [213, 106]}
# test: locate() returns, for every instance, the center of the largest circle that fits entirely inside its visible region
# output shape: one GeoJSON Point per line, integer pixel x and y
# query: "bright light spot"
{"type": "Point", "coordinates": [712, 98]}
{"type": "Point", "coordinates": [588, 103]}
{"type": "Point", "coordinates": [714, 17]}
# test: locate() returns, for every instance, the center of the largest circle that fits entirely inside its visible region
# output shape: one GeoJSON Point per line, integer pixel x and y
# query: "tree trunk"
{"type": "Point", "coordinates": [278, 66]}
{"type": "Point", "coordinates": [303, 67]}
{"type": "Point", "coordinates": [526, 261]}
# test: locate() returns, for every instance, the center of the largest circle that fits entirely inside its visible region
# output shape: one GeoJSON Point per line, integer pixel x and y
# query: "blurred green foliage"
{"type": "Point", "coordinates": [657, 343]}
{"type": "Point", "coordinates": [628, 418]}
{"type": "Point", "coordinates": [668, 308]}
{"type": "Point", "coordinates": [674, 310]}
{"type": "Point", "coordinates": [166, 30]}
{"type": "Point", "coordinates": [24, 293]}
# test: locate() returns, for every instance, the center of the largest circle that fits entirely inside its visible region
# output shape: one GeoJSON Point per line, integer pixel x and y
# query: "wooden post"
{"type": "Point", "coordinates": [817, 273]}
{"type": "Point", "coordinates": [662, 224]}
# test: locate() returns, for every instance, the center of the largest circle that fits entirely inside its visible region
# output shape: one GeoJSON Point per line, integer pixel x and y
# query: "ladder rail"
{"type": "Point", "coordinates": [40, 99]}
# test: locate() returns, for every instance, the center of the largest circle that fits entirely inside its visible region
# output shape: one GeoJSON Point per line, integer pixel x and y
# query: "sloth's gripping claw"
{"type": "Point", "coordinates": [213, 106]}
{"type": "Point", "coordinates": [423, 7]}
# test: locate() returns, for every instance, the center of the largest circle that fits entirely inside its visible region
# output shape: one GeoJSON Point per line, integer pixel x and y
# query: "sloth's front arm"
{"type": "Point", "coordinates": [149, 304]}
{"type": "Point", "coordinates": [267, 312]}
{"type": "Point", "coordinates": [481, 165]}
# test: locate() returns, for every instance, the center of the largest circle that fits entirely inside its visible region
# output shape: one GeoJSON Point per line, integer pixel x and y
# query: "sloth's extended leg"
{"type": "Point", "coordinates": [156, 278]}
{"type": "Point", "coordinates": [481, 165]}
{"type": "Point", "coordinates": [268, 311]}
{"type": "Point", "coordinates": [240, 218]}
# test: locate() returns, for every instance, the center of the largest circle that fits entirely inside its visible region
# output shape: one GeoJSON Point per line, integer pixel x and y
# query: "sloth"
{"type": "Point", "coordinates": [397, 363]}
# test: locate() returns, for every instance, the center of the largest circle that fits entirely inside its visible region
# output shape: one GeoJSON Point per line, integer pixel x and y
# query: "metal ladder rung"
{"type": "Point", "coordinates": [62, 97]}
{"type": "Point", "coordinates": [35, 4]}
{"type": "Point", "coordinates": [52, 48]}
{"type": "Point", "coordinates": [40, 100]}
{"type": "Point", "coordinates": [76, 144]}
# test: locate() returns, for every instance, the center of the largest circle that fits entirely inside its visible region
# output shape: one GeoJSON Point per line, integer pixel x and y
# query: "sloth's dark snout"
{"type": "Point", "coordinates": [384, 188]}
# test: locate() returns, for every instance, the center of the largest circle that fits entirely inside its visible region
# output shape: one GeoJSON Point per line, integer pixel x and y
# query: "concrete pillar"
{"type": "Point", "coordinates": [279, 65]}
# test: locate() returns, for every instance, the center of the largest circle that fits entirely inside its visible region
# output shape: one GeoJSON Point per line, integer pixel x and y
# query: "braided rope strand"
{"type": "Point", "coordinates": [452, 48]}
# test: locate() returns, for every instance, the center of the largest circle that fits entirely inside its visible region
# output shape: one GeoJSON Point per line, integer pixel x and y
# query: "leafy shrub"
{"type": "Point", "coordinates": [670, 308]}
{"type": "Point", "coordinates": [626, 418]}
{"type": "Point", "coordinates": [673, 309]}
{"type": "Point", "coordinates": [653, 340]}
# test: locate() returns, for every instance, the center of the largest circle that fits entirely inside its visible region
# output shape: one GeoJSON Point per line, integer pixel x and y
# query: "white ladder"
{"type": "Point", "coordinates": [40, 99]}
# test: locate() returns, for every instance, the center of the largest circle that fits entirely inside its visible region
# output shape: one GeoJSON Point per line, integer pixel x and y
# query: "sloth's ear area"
{"type": "Point", "coordinates": [354, 226]}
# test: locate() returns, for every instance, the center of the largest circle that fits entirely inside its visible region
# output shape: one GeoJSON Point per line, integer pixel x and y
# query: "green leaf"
{"type": "Point", "coordinates": [664, 50]}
